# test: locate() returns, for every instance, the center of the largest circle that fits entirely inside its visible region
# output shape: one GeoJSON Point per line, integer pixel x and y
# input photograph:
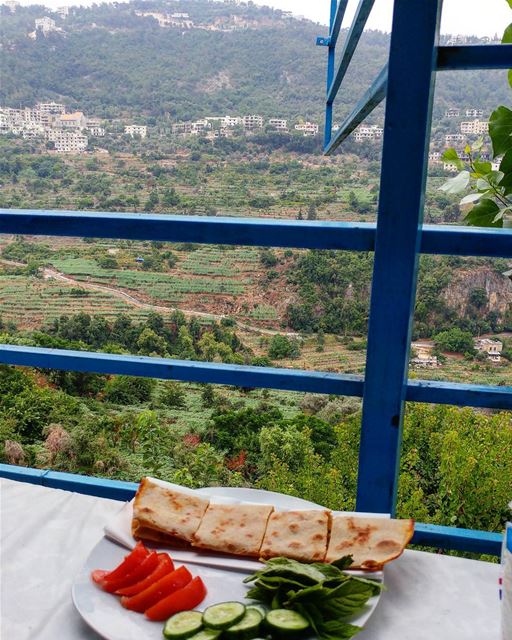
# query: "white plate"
{"type": "Point", "coordinates": [103, 612]}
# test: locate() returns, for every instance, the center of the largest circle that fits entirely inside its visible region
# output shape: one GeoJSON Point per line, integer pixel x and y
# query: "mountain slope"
{"type": "Point", "coordinates": [236, 59]}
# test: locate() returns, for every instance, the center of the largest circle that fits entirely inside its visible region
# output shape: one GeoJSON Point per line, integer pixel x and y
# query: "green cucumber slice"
{"type": "Point", "coordinates": [247, 628]}
{"type": "Point", "coordinates": [223, 615]}
{"type": "Point", "coordinates": [183, 625]}
{"type": "Point", "coordinates": [206, 634]}
{"type": "Point", "coordinates": [259, 607]}
{"type": "Point", "coordinates": [285, 621]}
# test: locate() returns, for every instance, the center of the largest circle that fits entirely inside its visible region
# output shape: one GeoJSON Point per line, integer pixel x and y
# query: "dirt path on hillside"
{"type": "Point", "coordinates": [53, 274]}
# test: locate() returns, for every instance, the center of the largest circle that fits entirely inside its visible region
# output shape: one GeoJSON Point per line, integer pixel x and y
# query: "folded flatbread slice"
{"type": "Point", "coordinates": [370, 541]}
{"type": "Point", "coordinates": [233, 528]}
{"type": "Point", "coordinates": [163, 514]}
{"type": "Point", "coordinates": [301, 535]}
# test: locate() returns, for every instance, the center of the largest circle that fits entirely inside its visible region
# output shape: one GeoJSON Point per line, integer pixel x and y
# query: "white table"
{"type": "Point", "coordinates": [46, 535]}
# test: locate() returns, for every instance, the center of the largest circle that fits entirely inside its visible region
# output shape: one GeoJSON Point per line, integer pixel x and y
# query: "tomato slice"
{"type": "Point", "coordinates": [132, 560]}
{"type": "Point", "coordinates": [164, 567]}
{"type": "Point", "coordinates": [98, 575]}
{"type": "Point", "coordinates": [185, 599]}
{"type": "Point", "coordinates": [164, 587]}
{"type": "Point", "coordinates": [142, 570]}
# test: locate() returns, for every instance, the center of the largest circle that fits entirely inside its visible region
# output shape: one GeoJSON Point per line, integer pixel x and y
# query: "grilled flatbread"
{"type": "Point", "coordinates": [370, 541]}
{"type": "Point", "coordinates": [163, 514]}
{"type": "Point", "coordinates": [233, 528]}
{"type": "Point", "coordinates": [301, 535]}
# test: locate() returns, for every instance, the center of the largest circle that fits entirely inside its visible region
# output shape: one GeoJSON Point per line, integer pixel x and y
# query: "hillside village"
{"type": "Point", "coordinates": [69, 131]}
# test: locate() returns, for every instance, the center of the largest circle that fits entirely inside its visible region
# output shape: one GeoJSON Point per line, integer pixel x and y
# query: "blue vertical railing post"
{"type": "Point", "coordinates": [406, 131]}
{"type": "Point", "coordinates": [330, 70]}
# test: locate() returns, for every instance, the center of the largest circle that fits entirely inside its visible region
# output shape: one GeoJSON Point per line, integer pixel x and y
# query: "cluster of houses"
{"type": "Point", "coordinates": [64, 132]}
{"type": "Point", "coordinates": [475, 126]}
{"type": "Point", "coordinates": [425, 358]}
{"type": "Point", "coordinates": [224, 126]}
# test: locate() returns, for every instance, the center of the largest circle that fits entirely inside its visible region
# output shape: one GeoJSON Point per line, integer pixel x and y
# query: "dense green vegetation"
{"type": "Point", "coordinates": [110, 61]}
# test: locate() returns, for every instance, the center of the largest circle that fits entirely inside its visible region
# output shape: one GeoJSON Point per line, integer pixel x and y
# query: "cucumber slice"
{"type": "Point", "coordinates": [206, 634]}
{"type": "Point", "coordinates": [223, 615]}
{"type": "Point", "coordinates": [259, 607]}
{"type": "Point", "coordinates": [286, 622]}
{"type": "Point", "coordinates": [248, 626]}
{"type": "Point", "coordinates": [183, 625]}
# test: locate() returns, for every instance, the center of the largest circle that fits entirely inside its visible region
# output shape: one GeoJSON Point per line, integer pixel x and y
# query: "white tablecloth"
{"type": "Point", "coordinates": [46, 535]}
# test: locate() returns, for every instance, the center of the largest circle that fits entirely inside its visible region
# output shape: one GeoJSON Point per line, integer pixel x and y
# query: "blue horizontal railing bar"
{"type": "Point", "coordinates": [337, 22]}
{"type": "Point", "coordinates": [371, 99]}
{"type": "Point", "coordinates": [470, 395]}
{"type": "Point", "coordinates": [351, 236]}
{"type": "Point", "coordinates": [183, 370]}
{"type": "Point", "coordinates": [424, 534]}
{"type": "Point", "coordinates": [363, 11]}
{"type": "Point", "coordinates": [433, 535]}
{"type": "Point", "coordinates": [489, 56]}
{"type": "Point", "coordinates": [245, 376]}
{"type": "Point", "coordinates": [198, 229]}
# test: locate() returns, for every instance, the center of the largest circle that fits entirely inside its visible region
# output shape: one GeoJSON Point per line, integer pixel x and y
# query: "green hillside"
{"type": "Point", "coordinates": [108, 60]}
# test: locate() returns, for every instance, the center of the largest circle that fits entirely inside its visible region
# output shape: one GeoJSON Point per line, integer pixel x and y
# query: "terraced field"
{"type": "Point", "coordinates": [31, 302]}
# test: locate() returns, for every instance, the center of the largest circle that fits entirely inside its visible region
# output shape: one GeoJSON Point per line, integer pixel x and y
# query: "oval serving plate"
{"type": "Point", "coordinates": [103, 611]}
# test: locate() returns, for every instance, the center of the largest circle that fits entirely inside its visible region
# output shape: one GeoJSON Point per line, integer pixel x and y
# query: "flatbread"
{"type": "Point", "coordinates": [370, 541]}
{"type": "Point", "coordinates": [164, 514]}
{"type": "Point", "coordinates": [301, 535]}
{"type": "Point", "coordinates": [233, 528]}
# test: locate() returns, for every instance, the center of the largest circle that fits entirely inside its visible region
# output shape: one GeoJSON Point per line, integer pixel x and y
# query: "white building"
{"type": "Point", "coordinates": [474, 113]}
{"type": "Point", "coordinates": [252, 122]}
{"type": "Point", "coordinates": [280, 124]}
{"type": "Point", "coordinates": [136, 130]}
{"type": "Point", "coordinates": [451, 138]}
{"type": "Point", "coordinates": [232, 121]}
{"type": "Point", "coordinates": [75, 120]}
{"type": "Point", "coordinates": [449, 166]}
{"type": "Point", "coordinates": [63, 11]}
{"type": "Point", "coordinates": [452, 113]}
{"type": "Point", "coordinates": [371, 133]}
{"type": "Point", "coordinates": [457, 40]}
{"type": "Point", "coordinates": [45, 24]}
{"type": "Point", "coordinates": [434, 157]}
{"type": "Point", "coordinates": [423, 356]}
{"type": "Point", "coordinates": [474, 127]}
{"type": "Point", "coordinates": [67, 141]}
{"type": "Point", "coordinates": [12, 5]}
{"type": "Point", "coordinates": [492, 348]}
{"type": "Point", "coordinates": [51, 108]}
{"type": "Point", "coordinates": [308, 128]}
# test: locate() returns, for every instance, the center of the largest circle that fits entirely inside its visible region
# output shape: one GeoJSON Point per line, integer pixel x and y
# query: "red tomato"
{"type": "Point", "coordinates": [98, 575]}
{"type": "Point", "coordinates": [143, 569]}
{"type": "Point", "coordinates": [183, 600]}
{"type": "Point", "coordinates": [164, 587]}
{"type": "Point", "coordinates": [132, 560]}
{"type": "Point", "coordinates": [164, 567]}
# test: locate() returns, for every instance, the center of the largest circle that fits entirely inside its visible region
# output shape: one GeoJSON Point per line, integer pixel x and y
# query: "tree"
{"type": "Point", "coordinates": [312, 215]}
{"type": "Point", "coordinates": [208, 396]}
{"type": "Point", "coordinates": [283, 347]}
{"type": "Point", "coordinates": [173, 395]}
{"type": "Point", "coordinates": [129, 390]}
{"type": "Point", "coordinates": [454, 340]}
{"type": "Point", "coordinates": [149, 343]}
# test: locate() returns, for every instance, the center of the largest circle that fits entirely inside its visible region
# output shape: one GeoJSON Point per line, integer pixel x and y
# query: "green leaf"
{"type": "Point", "coordinates": [506, 168]}
{"type": "Point", "coordinates": [345, 561]}
{"type": "Point", "coordinates": [509, 2]}
{"type": "Point", "coordinates": [470, 198]}
{"type": "Point", "coordinates": [507, 34]}
{"type": "Point", "coordinates": [482, 167]}
{"type": "Point", "coordinates": [483, 214]}
{"type": "Point", "coordinates": [500, 130]}
{"type": "Point", "coordinates": [451, 155]}
{"type": "Point", "coordinates": [457, 184]}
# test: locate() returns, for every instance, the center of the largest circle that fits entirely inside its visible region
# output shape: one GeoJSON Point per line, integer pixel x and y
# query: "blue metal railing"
{"type": "Point", "coordinates": [397, 239]}
{"type": "Point", "coordinates": [407, 81]}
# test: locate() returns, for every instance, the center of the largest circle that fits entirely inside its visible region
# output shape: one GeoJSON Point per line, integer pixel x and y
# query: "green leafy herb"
{"type": "Point", "coordinates": [322, 593]}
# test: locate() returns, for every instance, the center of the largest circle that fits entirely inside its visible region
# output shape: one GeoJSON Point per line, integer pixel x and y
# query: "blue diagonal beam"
{"type": "Point", "coordinates": [244, 376]}
{"type": "Point", "coordinates": [371, 99]}
{"type": "Point", "coordinates": [489, 56]}
{"type": "Point", "coordinates": [337, 22]}
{"type": "Point", "coordinates": [355, 31]}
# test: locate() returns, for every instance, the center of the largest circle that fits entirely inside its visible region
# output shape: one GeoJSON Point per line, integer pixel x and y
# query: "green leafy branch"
{"type": "Point", "coordinates": [489, 203]}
